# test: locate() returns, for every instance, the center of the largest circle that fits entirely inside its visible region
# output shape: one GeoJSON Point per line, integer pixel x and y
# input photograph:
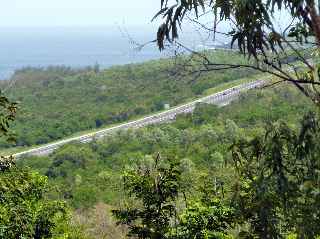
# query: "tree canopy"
{"type": "Point", "coordinates": [275, 47]}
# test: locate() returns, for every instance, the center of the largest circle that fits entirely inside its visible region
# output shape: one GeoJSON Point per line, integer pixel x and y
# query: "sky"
{"type": "Point", "coordinates": [44, 13]}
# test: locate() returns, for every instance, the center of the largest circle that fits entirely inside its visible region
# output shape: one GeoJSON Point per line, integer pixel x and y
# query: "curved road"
{"type": "Point", "coordinates": [221, 98]}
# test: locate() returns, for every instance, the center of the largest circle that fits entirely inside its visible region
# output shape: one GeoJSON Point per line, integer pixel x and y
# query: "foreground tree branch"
{"type": "Point", "coordinates": [267, 48]}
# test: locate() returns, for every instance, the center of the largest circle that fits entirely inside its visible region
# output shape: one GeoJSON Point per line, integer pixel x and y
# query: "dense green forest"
{"type": "Point", "coordinates": [208, 174]}
{"type": "Point", "coordinates": [248, 170]}
{"type": "Point", "coordinates": [90, 176]}
{"type": "Point", "coordinates": [57, 101]}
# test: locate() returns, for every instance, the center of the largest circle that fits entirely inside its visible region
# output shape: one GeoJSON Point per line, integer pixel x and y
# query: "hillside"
{"type": "Point", "coordinates": [57, 102]}
{"type": "Point", "coordinates": [89, 176]}
{"type": "Point", "coordinates": [185, 119]}
{"type": "Point", "coordinates": [214, 162]}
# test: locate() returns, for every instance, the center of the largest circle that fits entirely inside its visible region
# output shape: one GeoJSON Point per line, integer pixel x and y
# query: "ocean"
{"type": "Point", "coordinates": [77, 47]}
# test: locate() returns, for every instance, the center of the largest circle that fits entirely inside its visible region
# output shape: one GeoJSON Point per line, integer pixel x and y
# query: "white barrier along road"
{"type": "Point", "coordinates": [221, 98]}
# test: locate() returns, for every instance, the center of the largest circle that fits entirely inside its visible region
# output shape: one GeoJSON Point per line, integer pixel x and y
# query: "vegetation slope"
{"type": "Point", "coordinates": [57, 102]}
{"type": "Point", "coordinates": [89, 176]}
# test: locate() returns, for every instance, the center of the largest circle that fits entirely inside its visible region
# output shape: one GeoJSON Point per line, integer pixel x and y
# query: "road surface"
{"type": "Point", "coordinates": [221, 98]}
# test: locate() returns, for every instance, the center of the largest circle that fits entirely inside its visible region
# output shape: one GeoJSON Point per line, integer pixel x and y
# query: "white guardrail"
{"type": "Point", "coordinates": [220, 98]}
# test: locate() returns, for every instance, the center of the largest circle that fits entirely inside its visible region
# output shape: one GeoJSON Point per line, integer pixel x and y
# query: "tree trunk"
{"type": "Point", "coordinates": [315, 18]}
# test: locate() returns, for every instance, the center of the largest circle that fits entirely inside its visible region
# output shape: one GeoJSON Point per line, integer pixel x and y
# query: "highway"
{"type": "Point", "coordinates": [221, 98]}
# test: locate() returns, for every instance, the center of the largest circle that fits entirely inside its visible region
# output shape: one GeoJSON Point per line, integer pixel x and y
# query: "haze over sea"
{"type": "Point", "coordinates": [75, 47]}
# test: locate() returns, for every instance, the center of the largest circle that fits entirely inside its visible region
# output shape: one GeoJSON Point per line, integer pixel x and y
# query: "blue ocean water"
{"type": "Point", "coordinates": [75, 47]}
{"type": "Point", "coordinates": [79, 46]}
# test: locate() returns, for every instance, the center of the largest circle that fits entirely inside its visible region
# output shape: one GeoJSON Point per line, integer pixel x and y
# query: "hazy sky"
{"type": "Point", "coordinates": [35, 13]}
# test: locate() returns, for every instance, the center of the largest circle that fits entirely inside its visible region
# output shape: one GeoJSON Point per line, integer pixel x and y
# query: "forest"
{"type": "Point", "coordinates": [104, 97]}
{"type": "Point", "coordinates": [107, 178]}
{"type": "Point", "coordinates": [247, 170]}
